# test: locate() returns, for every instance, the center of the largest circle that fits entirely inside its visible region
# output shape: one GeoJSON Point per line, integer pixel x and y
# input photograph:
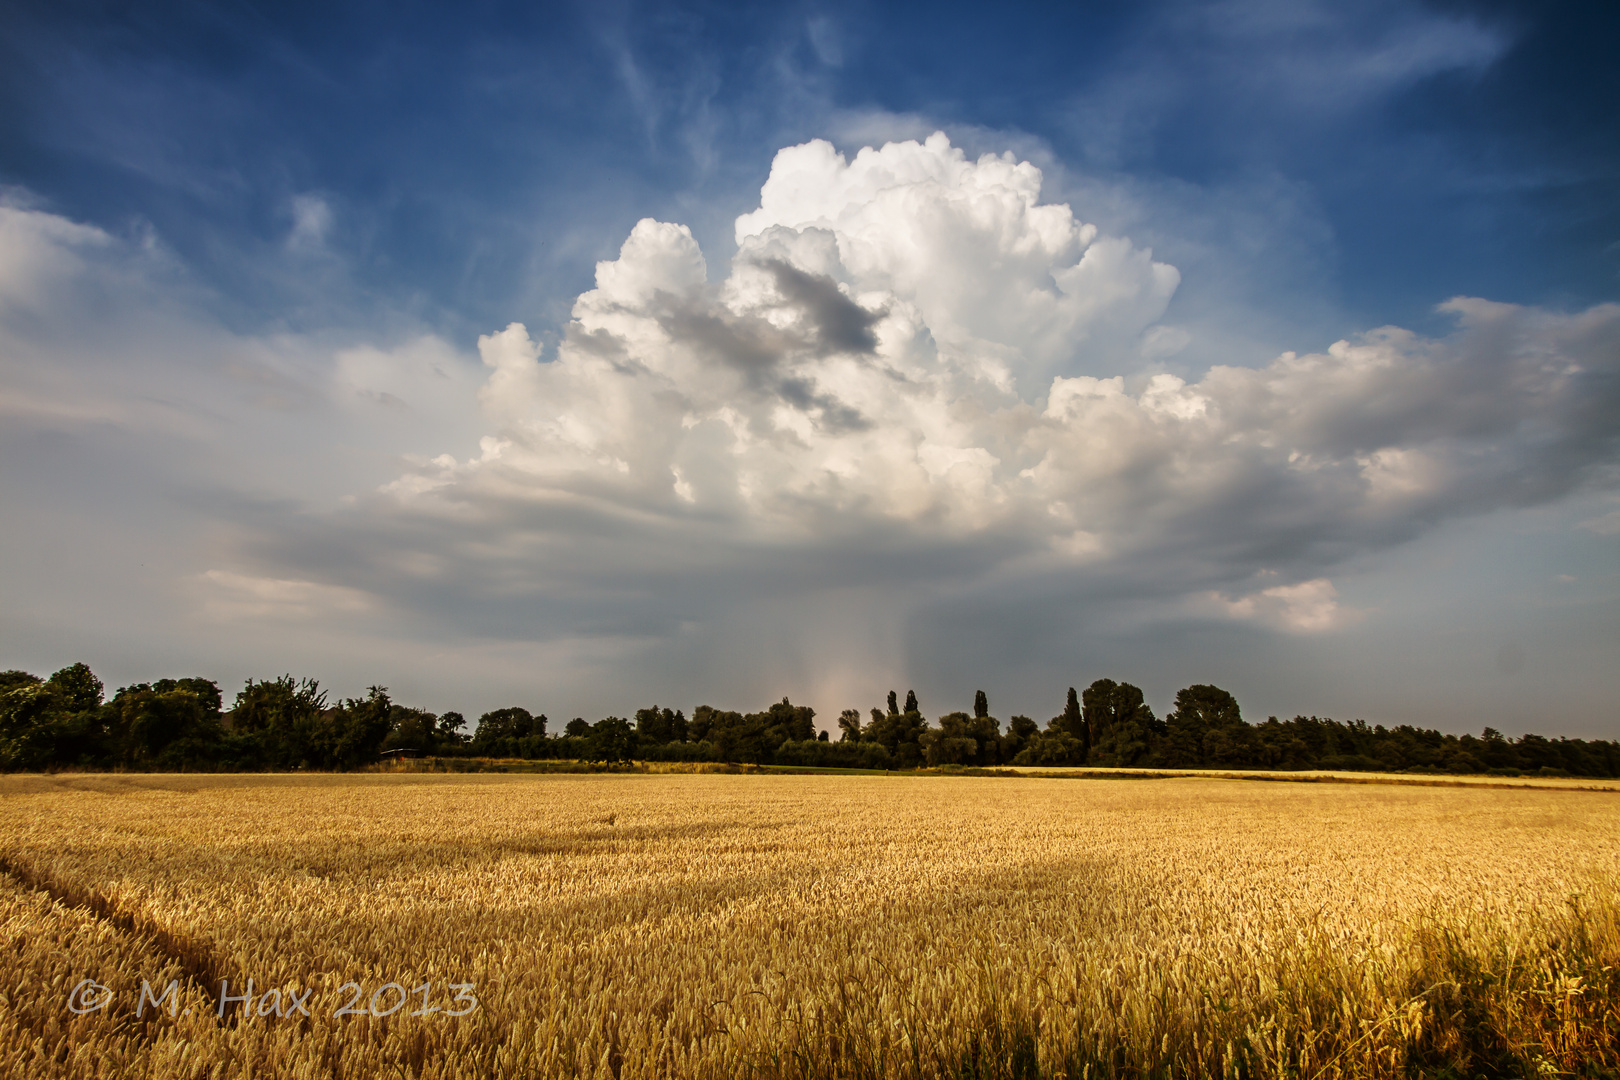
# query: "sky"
{"type": "Point", "coordinates": [586, 357]}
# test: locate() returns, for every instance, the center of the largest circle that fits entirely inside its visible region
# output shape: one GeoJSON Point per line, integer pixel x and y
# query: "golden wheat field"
{"type": "Point", "coordinates": [687, 925]}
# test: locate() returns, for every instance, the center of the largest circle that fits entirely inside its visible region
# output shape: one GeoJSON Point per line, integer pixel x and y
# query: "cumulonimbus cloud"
{"type": "Point", "coordinates": [910, 345]}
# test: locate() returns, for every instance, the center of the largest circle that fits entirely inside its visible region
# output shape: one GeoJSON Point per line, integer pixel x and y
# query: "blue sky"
{"type": "Point", "coordinates": [252, 251]}
{"type": "Point", "coordinates": [1462, 148]}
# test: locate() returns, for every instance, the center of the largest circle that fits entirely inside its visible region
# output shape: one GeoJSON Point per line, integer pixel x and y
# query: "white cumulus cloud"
{"type": "Point", "coordinates": [1306, 607]}
{"type": "Point", "coordinates": [910, 348]}
{"type": "Point", "coordinates": [917, 422]}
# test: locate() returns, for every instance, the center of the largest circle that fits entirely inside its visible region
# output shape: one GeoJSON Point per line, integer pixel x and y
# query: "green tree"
{"type": "Point", "coordinates": [985, 731]}
{"type": "Point", "coordinates": [77, 688]}
{"type": "Point", "coordinates": [1051, 747]}
{"type": "Point", "coordinates": [1206, 728]}
{"type": "Point", "coordinates": [900, 735]}
{"type": "Point", "coordinates": [450, 736]}
{"type": "Point", "coordinates": [1072, 722]}
{"type": "Point", "coordinates": [357, 727]}
{"type": "Point", "coordinates": [1495, 751]}
{"type": "Point", "coordinates": [755, 737]}
{"type": "Point", "coordinates": [1122, 726]}
{"type": "Point", "coordinates": [501, 732]}
{"type": "Point", "coordinates": [10, 680]}
{"type": "Point", "coordinates": [612, 740]}
{"type": "Point", "coordinates": [785, 720]}
{"type": "Point", "coordinates": [951, 743]}
{"type": "Point", "coordinates": [61, 719]}
{"type": "Point", "coordinates": [1020, 729]}
{"type": "Point", "coordinates": [728, 735]}
{"type": "Point", "coordinates": [412, 729]}
{"type": "Point", "coordinates": [172, 723]}
{"type": "Point", "coordinates": [29, 711]}
{"type": "Point", "coordinates": [277, 723]}
{"type": "Point", "coordinates": [658, 726]}
{"type": "Point", "coordinates": [849, 723]}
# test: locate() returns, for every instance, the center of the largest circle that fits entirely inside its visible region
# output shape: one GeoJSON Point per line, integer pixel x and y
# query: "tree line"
{"type": "Point", "coordinates": [66, 721]}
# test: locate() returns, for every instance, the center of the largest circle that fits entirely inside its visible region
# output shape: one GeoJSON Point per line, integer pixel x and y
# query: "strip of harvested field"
{"type": "Point", "coordinates": [1392, 779]}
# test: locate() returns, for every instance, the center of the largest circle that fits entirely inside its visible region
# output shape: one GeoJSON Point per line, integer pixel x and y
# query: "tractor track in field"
{"type": "Point", "coordinates": [196, 960]}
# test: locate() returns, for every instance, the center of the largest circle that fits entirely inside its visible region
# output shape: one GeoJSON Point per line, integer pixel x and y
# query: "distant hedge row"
{"type": "Point", "coordinates": [65, 721]}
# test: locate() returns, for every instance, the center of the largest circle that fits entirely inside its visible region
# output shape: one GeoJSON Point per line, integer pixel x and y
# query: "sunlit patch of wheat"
{"type": "Point", "coordinates": [818, 926]}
